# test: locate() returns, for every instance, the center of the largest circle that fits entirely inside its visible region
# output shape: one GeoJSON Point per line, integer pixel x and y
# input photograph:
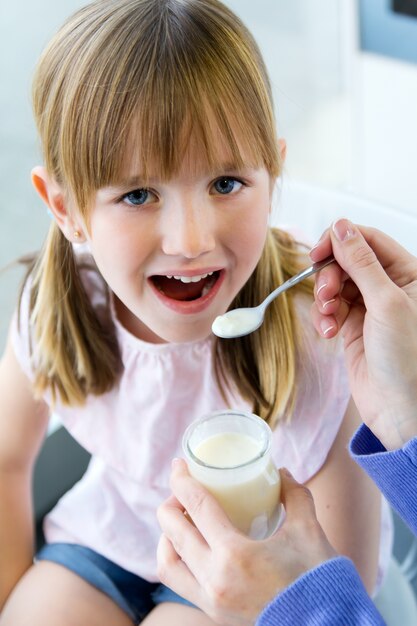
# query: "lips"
{"type": "Point", "coordinates": [187, 298]}
{"type": "Point", "coordinates": [185, 288]}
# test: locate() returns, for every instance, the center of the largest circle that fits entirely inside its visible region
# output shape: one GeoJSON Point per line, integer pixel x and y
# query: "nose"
{"type": "Point", "coordinates": [188, 230]}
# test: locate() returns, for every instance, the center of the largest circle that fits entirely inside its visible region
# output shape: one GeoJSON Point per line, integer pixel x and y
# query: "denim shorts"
{"type": "Point", "coordinates": [133, 594]}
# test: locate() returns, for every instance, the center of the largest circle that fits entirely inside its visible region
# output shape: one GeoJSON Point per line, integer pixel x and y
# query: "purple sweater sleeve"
{"type": "Point", "coordinates": [394, 472]}
{"type": "Point", "coordinates": [333, 594]}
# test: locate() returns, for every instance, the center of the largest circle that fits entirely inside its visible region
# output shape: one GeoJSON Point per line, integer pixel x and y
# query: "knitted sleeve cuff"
{"type": "Point", "coordinates": [332, 594]}
{"type": "Point", "coordinates": [394, 472]}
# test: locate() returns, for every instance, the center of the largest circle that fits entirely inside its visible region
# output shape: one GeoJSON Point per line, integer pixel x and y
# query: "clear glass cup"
{"type": "Point", "coordinates": [229, 453]}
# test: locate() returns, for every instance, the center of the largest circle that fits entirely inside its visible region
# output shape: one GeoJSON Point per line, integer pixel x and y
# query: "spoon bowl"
{"type": "Point", "coordinates": [243, 321]}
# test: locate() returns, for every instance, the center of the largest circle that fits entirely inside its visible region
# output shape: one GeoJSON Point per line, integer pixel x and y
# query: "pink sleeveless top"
{"type": "Point", "coordinates": [134, 431]}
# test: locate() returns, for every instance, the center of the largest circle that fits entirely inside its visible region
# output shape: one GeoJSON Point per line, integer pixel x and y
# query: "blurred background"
{"type": "Point", "coordinates": [344, 76]}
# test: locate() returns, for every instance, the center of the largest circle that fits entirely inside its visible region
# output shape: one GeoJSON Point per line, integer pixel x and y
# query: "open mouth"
{"type": "Point", "coordinates": [185, 288]}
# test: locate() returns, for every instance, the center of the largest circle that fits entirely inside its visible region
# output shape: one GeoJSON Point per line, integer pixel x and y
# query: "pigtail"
{"type": "Point", "coordinates": [74, 352]}
{"type": "Point", "coordinates": [262, 365]}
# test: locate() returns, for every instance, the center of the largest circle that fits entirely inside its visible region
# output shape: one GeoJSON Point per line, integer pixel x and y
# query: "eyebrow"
{"type": "Point", "coordinates": [132, 181]}
{"type": "Point", "coordinates": [229, 166]}
{"type": "Point", "coordinates": [141, 181]}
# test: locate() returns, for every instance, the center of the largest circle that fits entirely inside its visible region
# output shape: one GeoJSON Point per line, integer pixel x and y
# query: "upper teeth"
{"type": "Point", "coordinates": [191, 279]}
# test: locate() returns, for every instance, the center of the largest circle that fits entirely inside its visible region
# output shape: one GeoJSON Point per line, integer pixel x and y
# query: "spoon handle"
{"type": "Point", "coordinates": [294, 280]}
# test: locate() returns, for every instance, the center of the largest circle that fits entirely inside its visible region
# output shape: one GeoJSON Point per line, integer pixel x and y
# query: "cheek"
{"type": "Point", "coordinates": [250, 233]}
{"type": "Point", "coordinates": [116, 243]}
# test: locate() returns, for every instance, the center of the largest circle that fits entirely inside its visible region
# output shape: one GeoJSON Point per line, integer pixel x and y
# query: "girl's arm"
{"type": "Point", "coordinates": [23, 423]}
{"type": "Point", "coordinates": [348, 504]}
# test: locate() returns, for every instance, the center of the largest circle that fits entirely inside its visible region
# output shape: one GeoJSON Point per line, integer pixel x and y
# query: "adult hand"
{"type": "Point", "coordinates": [371, 297]}
{"type": "Point", "coordinates": [229, 576]}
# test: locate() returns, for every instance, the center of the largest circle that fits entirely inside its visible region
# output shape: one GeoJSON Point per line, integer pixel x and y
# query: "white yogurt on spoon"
{"type": "Point", "coordinates": [236, 323]}
{"type": "Point", "coordinates": [239, 322]}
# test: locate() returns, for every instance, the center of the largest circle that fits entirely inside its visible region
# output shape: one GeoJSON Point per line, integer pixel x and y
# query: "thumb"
{"type": "Point", "coordinates": [296, 498]}
{"type": "Point", "coordinates": [356, 257]}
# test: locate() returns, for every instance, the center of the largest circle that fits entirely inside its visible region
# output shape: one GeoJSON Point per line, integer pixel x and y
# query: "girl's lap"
{"type": "Point", "coordinates": [169, 613]}
{"type": "Point", "coordinates": [50, 594]}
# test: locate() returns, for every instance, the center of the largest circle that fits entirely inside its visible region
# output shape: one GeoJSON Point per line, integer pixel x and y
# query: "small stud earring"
{"type": "Point", "coordinates": [77, 234]}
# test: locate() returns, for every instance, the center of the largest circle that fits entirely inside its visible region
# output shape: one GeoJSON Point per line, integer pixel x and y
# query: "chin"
{"type": "Point", "coordinates": [185, 335]}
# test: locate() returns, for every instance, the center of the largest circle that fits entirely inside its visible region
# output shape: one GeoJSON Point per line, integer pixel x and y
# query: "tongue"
{"type": "Point", "coordinates": [178, 290]}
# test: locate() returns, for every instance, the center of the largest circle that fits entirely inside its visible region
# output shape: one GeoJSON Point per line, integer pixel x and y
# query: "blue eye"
{"type": "Point", "coordinates": [227, 185]}
{"type": "Point", "coordinates": [137, 197]}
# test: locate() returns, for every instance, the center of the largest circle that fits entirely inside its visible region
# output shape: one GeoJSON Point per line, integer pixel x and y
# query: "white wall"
{"type": "Point", "coordinates": [350, 117]}
{"type": "Point", "coordinates": [385, 101]}
{"type": "Point", "coordinates": [311, 209]}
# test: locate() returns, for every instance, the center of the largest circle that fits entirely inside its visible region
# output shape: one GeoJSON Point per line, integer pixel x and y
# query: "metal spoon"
{"type": "Point", "coordinates": [239, 322]}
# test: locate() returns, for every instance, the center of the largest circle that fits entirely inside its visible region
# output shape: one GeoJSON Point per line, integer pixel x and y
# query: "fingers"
{"type": "Point", "coordinates": [328, 283]}
{"type": "Point", "coordinates": [327, 293]}
{"type": "Point", "coordinates": [391, 255]}
{"type": "Point", "coordinates": [359, 260]}
{"type": "Point", "coordinates": [174, 573]}
{"type": "Point", "coordinates": [373, 260]}
{"type": "Point", "coordinates": [183, 552]}
{"type": "Point", "coordinates": [323, 247]}
{"type": "Point", "coordinates": [389, 252]}
{"type": "Point", "coordinates": [204, 510]}
{"type": "Point", "coordinates": [297, 499]}
{"type": "Point", "coordinates": [328, 324]}
{"type": "Point", "coordinates": [185, 538]}
{"type": "Point", "coordinates": [333, 294]}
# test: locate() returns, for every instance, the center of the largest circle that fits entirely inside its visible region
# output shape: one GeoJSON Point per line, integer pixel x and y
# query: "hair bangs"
{"type": "Point", "coordinates": [160, 141]}
{"type": "Point", "coordinates": [189, 107]}
{"type": "Point", "coordinates": [175, 78]}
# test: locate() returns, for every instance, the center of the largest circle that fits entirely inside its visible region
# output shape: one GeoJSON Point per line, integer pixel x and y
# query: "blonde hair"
{"type": "Point", "coordinates": [153, 73]}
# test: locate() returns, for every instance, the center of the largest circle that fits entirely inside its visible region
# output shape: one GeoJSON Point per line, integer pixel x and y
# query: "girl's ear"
{"type": "Point", "coordinates": [282, 145]}
{"type": "Point", "coordinates": [54, 198]}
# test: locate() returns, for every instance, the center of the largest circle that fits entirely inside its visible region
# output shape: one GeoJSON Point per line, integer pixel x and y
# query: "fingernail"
{"type": "Point", "coordinates": [174, 462]}
{"type": "Point", "coordinates": [321, 287]}
{"type": "Point", "coordinates": [326, 327]}
{"type": "Point", "coordinates": [343, 229]}
{"type": "Point", "coordinates": [328, 302]}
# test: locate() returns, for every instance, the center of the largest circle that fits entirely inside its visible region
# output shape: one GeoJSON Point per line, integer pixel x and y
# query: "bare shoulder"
{"type": "Point", "coordinates": [23, 420]}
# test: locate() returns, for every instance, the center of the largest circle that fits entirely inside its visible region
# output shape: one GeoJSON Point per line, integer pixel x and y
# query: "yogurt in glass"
{"type": "Point", "coordinates": [229, 453]}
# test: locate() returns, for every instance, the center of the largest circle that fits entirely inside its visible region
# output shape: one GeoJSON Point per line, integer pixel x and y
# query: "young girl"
{"type": "Point", "coordinates": [161, 155]}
